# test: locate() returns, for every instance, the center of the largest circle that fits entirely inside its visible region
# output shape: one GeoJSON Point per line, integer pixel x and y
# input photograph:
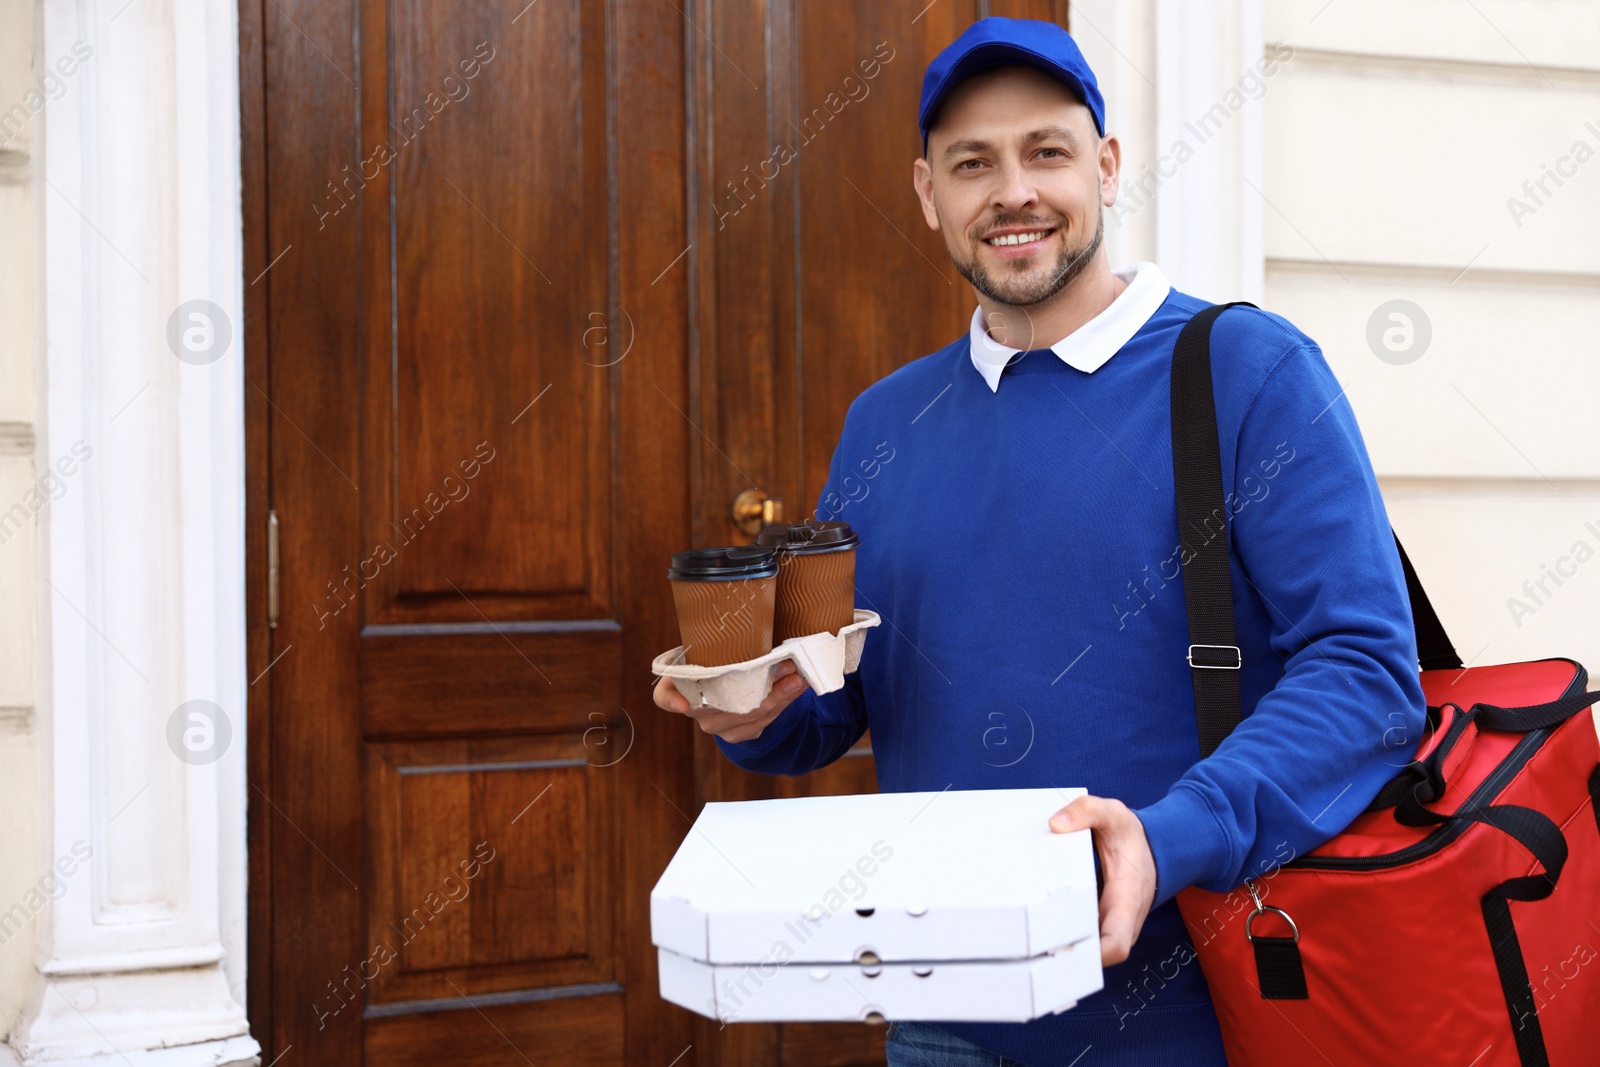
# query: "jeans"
{"type": "Point", "coordinates": [921, 1045]}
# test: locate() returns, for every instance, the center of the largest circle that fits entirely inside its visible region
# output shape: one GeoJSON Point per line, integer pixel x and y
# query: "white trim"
{"type": "Point", "coordinates": [1209, 215]}
{"type": "Point", "coordinates": [141, 565]}
{"type": "Point", "coordinates": [1162, 64]}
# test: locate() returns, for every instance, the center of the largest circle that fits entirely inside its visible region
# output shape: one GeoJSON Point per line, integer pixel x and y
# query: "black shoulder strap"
{"type": "Point", "coordinates": [1434, 650]}
{"type": "Point", "coordinates": [1213, 655]}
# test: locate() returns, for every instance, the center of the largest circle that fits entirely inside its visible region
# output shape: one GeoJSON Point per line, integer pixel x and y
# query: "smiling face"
{"type": "Point", "coordinates": [1015, 178]}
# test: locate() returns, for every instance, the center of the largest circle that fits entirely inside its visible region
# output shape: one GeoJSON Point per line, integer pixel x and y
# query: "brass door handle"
{"type": "Point", "coordinates": [753, 509]}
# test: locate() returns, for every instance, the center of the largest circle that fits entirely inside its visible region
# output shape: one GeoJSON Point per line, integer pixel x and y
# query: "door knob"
{"type": "Point", "coordinates": [753, 509]}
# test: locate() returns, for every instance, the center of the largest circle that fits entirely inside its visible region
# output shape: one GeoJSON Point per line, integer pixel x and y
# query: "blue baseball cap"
{"type": "Point", "coordinates": [995, 42]}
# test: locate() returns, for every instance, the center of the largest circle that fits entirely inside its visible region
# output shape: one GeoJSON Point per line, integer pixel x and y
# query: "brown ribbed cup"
{"type": "Point", "coordinates": [816, 592]}
{"type": "Point", "coordinates": [723, 622]}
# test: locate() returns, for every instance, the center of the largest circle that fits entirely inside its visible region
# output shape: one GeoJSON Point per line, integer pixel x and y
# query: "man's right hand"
{"type": "Point", "coordinates": [731, 727]}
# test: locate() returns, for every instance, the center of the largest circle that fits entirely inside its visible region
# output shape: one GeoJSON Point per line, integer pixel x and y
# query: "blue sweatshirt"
{"type": "Point", "coordinates": [1021, 547]}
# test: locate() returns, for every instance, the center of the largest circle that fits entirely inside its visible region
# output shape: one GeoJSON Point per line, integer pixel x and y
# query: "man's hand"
{"type": "Point", "coordinates": [1126, 867]}
{"type": "Point", "coordinates": [730, 727]}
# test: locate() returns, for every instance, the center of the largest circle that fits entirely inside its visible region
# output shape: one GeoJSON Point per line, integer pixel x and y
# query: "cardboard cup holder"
{"type": "Point", "coordinates": [823, 660]}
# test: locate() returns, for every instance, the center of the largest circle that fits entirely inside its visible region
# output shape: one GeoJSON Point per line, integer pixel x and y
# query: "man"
{"type": "Point", "coordinates": [1022, 547]}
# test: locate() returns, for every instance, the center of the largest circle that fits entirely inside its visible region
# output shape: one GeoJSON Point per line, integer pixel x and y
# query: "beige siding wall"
{"type": "Point", "coordinates": [1396, 148]}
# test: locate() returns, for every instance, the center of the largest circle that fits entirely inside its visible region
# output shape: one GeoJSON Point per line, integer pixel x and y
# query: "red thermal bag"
{"type": "Point", "coordinates": [1455, 921]}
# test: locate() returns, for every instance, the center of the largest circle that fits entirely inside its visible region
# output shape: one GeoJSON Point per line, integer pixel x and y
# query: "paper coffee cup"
{"type": "Point", "coordinates": [816, 576]}
{"type": "Point", "coordinates": [725, 599]}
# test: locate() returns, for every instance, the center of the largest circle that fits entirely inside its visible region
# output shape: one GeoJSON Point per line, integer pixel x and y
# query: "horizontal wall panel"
{"type": "Point", "coordinates": [1549, 34]}
{"type": "Point", "coordinates": [1512, 570]}
{"type": "Point", "coordinates": [1505, 386]}
{"type": "Point", "coordinates": [1380, 163]}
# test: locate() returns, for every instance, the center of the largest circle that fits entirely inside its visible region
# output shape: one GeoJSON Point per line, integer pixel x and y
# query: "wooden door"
{"type": "Point", "coordinates": [469, 313]}
{"type": "Point", "coordinates": [509, 344]}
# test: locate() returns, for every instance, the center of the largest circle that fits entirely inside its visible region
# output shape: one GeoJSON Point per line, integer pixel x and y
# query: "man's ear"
{"type": "Point", "coordinates": [922, 182]}
{"type": "Point", "coordinates": [1110, 169]}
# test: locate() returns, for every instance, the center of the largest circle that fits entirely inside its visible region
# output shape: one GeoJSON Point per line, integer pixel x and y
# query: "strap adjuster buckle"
{"type": "Point", "coordinates": [1238, 658]}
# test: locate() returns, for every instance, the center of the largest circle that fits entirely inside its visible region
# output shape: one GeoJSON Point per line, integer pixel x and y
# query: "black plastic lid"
{"type": "Point", "coordinates": [808, 536]}
{"type": "Point", "coordinates": [723, 564]}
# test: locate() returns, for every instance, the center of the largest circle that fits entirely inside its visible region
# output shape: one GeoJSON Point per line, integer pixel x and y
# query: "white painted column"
{"type": "Point", "coordinates": [142, 558]}
{"type": "Point", "coordinates": [1183, 81]}
{"type": "Point", "coordinates": [1209, 57]}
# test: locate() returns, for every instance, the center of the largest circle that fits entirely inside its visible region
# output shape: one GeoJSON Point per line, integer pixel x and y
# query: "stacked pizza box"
{"type": "Point", "coordinates": [953, 905]}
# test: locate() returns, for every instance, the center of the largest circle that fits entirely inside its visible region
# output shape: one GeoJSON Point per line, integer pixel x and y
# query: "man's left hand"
{"type": "Point", "coordinates": [1126, 867]}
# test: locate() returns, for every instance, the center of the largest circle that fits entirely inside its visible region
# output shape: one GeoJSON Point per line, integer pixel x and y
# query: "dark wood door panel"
{"type": "Point", "coordinates": [489, 472]}
{"type": "Point", "coordinates": [489, 438]}
{"type": "Point", "coordinates": [493, 863]}
{"type": "Point", "coordinates": [492, 678]}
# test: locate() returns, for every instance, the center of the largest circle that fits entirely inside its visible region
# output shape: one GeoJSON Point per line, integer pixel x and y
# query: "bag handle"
{"type": "Point", "coordinates": [1532, 717]}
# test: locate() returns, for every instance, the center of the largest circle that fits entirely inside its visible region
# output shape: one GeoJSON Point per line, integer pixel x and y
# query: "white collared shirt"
{"type": "Point", "coordinates": [1089, 346]}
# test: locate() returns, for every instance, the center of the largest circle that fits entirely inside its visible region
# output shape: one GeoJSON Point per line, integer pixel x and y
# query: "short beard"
{"type": "Point", "coordinates": [1068, 266]}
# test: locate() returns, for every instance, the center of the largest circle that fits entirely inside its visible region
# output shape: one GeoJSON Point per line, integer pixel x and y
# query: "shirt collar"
{"type": "Point", "coordinates": [1089, 346]}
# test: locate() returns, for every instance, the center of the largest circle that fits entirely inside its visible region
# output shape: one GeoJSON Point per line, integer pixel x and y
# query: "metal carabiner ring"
{"type": "Point", "coordinates": [1266, 908]}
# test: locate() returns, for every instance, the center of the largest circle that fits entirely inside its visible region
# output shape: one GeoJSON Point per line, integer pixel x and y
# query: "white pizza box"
{"type": "Point", "coordinates": [990, 991]}
{"type": "Point", "coordinates": [958, 875]}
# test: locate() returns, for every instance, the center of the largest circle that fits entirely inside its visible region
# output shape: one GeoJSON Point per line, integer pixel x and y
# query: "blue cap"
{"type": "Point", "coordinates": [995, 42]}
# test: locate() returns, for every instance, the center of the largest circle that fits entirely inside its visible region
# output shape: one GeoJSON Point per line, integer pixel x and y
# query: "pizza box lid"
{"type": "Point", "coordinates": [891, 877]}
